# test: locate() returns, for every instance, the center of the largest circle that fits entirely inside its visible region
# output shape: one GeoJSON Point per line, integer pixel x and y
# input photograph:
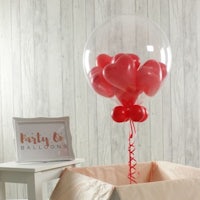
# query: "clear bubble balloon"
{"type": "Point", "coordinates": [125, 57]}
{"type": "Point", "coordinates": [127, 34]}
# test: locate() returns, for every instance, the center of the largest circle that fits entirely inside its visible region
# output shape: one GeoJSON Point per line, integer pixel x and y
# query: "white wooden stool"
{"type": "Point", "coordinates": [32, 174]}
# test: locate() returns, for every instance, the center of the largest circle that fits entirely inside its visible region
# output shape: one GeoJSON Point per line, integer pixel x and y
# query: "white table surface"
{"type": "Point", "coordinates": [37, 166]}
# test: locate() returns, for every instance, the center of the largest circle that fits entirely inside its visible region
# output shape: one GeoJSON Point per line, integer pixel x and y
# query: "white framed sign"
{"type": "Point", "coordinates": [43, 139]}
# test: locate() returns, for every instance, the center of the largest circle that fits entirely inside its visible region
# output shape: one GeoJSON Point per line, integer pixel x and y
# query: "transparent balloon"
{"type": "Point", "coordinates": [125, 57]}
{"type": "Point", "coordinates": [127, 34]}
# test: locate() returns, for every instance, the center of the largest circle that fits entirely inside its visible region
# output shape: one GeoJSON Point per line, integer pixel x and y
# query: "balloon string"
{"type": "Point", "coordinates": [131, 149]}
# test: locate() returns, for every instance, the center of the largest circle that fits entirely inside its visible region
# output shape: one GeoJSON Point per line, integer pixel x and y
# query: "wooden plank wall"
{"type": "Point", "coordinates": [41, 74]}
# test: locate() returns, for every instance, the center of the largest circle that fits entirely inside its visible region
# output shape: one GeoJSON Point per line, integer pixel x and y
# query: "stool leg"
{"type": "Point", "coordinates": [35, 188]}
{"type": "Point", "coordinates": [45, 191]}
{"type": "Point", "coordinates": [2, 191]}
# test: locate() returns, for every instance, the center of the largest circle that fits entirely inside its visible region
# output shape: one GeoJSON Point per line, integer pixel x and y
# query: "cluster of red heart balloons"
{"type": "Point", "coordinates": [124, 77]}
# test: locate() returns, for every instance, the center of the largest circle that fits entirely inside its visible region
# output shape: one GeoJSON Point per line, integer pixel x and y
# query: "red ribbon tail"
{"type": "Point", "coordinates": [131, 148]}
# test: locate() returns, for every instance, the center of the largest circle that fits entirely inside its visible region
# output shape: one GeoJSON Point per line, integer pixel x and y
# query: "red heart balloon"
{"type": "Point", "coordinates": [135, 58]}
{"type": "Point", "coordinates": [98, 82]}
{"type": "Point", "coordinates": [149, 77]}
{"type": "Point", "coordinates": [121, 74]}
{"type": "Point", "coordinates": [103, 60]}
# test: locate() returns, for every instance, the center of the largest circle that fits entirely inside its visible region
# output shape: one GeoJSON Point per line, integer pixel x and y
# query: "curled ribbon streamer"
{"type": "Point", "coordinates": [132, 161]}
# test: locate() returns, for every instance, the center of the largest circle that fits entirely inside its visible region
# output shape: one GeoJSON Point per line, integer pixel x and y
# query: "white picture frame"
{"type": "Point", "coordinates": [43, 139]}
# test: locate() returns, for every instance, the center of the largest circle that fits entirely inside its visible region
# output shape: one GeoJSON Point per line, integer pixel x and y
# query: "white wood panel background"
{"type": "Point", "coordinates": [41, 74]}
